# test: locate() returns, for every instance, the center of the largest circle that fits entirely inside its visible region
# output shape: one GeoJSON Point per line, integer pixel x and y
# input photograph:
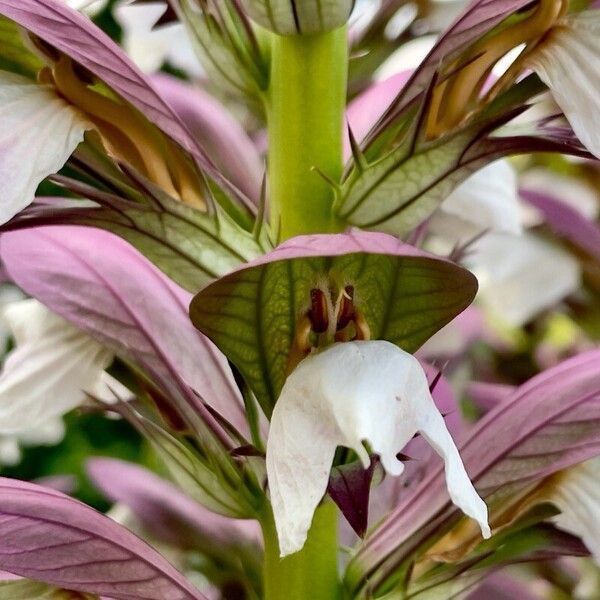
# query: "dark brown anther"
{"type": "Point", "coordinates": [346, 311]}
{"type": "Point", "coordinates": [318, 313]}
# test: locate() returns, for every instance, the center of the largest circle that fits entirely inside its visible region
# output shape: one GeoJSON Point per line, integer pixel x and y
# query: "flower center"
{"type": "Point", "coordinates": [331, 317]}
{"type": "Point", "coordinates": [127, 136]}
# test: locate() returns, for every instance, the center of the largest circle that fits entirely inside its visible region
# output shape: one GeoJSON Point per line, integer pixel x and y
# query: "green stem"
{"type": "Point", "coordinates": [312, 573]}
{"type": "Point", "coordinates": [305, 108]}
{"type": "Point", "coordinates": [305, 105]}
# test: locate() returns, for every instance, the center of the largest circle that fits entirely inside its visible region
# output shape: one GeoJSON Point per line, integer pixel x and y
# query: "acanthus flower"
{"type": "Point", "coordinates": [487, 200]}
{"type": "Point", "coordinates": [348, 395]}
{"type": "Point", "coordinates": [560, 46]}
{"type": "Point", "coordinates": [517, 285]}
{"type": "Point", "coordinates": [38, 133]}
{"type": "Point", "coordinates": [576, 492]}
{"type": "Point", "coordinates": [53, 369]}
{"type": "Point", "coordinates": [566, 61]}
{"type": "Point", "coordinates": [304, 312]}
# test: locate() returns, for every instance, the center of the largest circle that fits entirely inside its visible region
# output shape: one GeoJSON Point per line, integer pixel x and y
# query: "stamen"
{"type": "Point", "coordinates": [323, 324]}
{"type": "Point", "coordinates": [318, 312]}
{"type": "Point", "coordinates": [363, 331]}
{"type": "Point", "coordinates": [44, 77]}
{"type": "Point", "coordinates": [127, 136]}
{"type": "Point", "coordinates": [454, 98]}
{"type": "Point", "coordinates": [118, 144]}
{"type": "Point", "coordinates": [511, 74]}
{"type": "Point", "coordinates": [301, 345]}
{"type": "Point", "coordinates": [187, 181]}
{"type": "Point", "coordinates": [346, 308]}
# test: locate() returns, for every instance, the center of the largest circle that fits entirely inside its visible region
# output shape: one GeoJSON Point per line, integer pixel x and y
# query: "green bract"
{"type": "Point", "coordinates": [208, 476]}
{"type": "Point", "coordinates": [190, 246]}
{"type": "Point", "coordinates": [227, 47]}
{"type": "Point", "coordinates": [399, 191]}
{"type": "Point", "coordinates": [251, 314]}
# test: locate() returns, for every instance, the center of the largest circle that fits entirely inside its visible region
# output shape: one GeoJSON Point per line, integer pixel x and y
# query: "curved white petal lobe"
{"type": "Point", "coordinates": [346, 395]}
{"type": "Point", "coordinates": [487, 200]}
{"type": "Point", "coordinates": [150, 47]}
{"type": "Point", "coordinates": [38, 133]}
{"type": "Point", "coordinates": [568, 64]}
{"type": "Point", "coordinates": [10, 452]}
{"type": "Point", "coordinates": [577, 495]}
{"type": "Point", "coordinates": [49, 433]}
{"type": "Point", "coordinates": [50, 370]}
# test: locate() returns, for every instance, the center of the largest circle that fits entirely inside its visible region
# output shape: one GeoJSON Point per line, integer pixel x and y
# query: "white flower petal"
{"type": "Point", "coordinates": [49, 433]}
{"type": "Point", "coordinates": [488, 199]}
{"type": "Point", "coordinates": [23, 318]}
{"type": "Point", "coordinates": [577, 495]}
{"type": "Point", "coordinates": [520, 276]}
{"type": "Point", "coordinates": [38, 133]}
{"type": "Point", "coordinates": [409, 56]}
{"type": "Point", "coordinates": [346, 395]}
{"type": "Point", "coordinates": [89, 7]}
{"type": "Point", "coordinates": [568, 64]}
{"type": "Point", "coordinates": [10, 453]}
{"type": "Point", "coordinates": [49, 371]}
{"type": "Point", "coordinates": [149, 48]}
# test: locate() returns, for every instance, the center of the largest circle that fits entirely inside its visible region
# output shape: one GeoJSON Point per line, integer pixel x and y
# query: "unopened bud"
{"type": "Point", "coordinates": [294, 17]}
